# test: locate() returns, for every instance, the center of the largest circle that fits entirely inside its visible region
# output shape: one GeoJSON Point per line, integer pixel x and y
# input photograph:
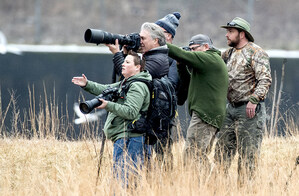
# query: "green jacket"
{"type": "Point", "coordinates": [126, 109]}
{"type": "Point", "coordinates": [208, 83]}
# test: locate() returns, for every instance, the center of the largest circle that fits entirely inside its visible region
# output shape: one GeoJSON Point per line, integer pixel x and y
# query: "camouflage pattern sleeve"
{"type": "Point", "coordinates": [249, 73]}
{"type": "Point", "coordinates": [261, 66]}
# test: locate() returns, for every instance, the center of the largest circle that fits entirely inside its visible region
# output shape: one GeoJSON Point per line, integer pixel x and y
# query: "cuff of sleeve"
{"type": "Point", "coordinates": [119, 54]}
{"type": "Point", "coordinates": [85, 85]}
{"type": "Point", "coordinates": [109, 106]}
{"type": "Point", "coordinates": [254, 99]}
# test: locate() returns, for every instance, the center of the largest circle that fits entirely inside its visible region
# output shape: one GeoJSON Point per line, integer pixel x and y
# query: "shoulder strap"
{"type": "Point", "coordinates": [126, 87]}
{"type": "Point", "coordinates": [229, 55]}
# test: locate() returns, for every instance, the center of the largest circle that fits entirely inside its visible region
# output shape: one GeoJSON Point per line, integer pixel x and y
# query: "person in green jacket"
{"type": "Point", "coordinates": [129, 149]}
{"type": "Point", "coordinates": [206, 94]}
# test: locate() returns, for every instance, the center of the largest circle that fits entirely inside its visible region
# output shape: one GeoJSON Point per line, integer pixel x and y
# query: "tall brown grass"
{"type": "Point", "coordinates": [36, 158]}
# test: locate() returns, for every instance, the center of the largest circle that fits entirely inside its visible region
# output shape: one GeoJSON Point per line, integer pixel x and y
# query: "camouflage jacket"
{"type": "Point", "coordinates": [249, 73]}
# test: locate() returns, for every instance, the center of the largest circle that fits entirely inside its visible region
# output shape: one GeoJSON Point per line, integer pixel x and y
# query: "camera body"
{"type": "Point", "coordinates": [110, 94]}
{"type": "Point", "coordinates": [132, 41]}
{"type": "Point", "coordinates": [187, 48]}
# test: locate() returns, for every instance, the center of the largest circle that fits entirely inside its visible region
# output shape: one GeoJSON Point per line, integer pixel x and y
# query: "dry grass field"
{"type": "Point", "coordinates": [52, 167]}
{"type": "Point", "coordinates": [34, 162]}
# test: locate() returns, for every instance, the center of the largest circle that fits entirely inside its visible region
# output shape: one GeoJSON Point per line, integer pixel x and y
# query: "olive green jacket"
{"type": "Point", "coordinates": [126, 108]}
{"type": "Point", "coordinates": [208, 83]}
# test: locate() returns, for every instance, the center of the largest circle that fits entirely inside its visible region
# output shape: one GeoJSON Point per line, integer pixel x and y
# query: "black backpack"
{"type": "Point", "coordinates": [156, 122]}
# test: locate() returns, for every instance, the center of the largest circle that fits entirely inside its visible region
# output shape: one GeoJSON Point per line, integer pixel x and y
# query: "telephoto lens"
{"type": "Point", "coordinates": [132, 41]}
{"type": "Point", "coordinates": [87, 106]}
{"type": "Point", "coordinates": [109, 94]}
{"type": "Point", "coordinates": [101, 37]}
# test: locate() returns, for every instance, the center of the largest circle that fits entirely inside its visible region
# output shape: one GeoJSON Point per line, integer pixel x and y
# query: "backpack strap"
{"type": "Point", "coordinates": [229, 55]}
{"type": "Point", "coordinates": [147, 82]}
{"type": "Point", "coordinates": [141, 125]}
{"type": "Point", "coordinates": [125, 89]}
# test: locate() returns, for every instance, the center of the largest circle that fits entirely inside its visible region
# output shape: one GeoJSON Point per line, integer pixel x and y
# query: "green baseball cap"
{"type": "Point", "coordinates": [240, 23]}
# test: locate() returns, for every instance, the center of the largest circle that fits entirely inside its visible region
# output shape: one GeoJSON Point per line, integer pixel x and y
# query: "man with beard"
{"type": "Point", "coordinates": [249, 81]}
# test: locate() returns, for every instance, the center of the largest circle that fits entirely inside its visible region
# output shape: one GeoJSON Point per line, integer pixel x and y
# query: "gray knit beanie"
{"type": "Point", "coordinates": [170, 22]}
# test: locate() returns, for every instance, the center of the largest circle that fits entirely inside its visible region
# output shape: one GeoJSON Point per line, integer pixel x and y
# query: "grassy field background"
{"type": "Point", "coordinates": [52, 167]}
{"type": "Point", "coordinates": [36, 158]}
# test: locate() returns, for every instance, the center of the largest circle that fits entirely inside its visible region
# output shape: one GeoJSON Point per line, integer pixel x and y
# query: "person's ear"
{"type": "Point", "coordinates": [243, 35]}
{"type": "Point", "coordinates": [206, 46]}
{"type": "Point", "coordinates": [168, 36]}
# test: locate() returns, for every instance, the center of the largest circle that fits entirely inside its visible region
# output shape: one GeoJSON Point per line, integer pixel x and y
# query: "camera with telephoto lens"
{"type": "Point", "coordinates": [132, 41]}
{"type": "Point", "coordinates": [110, 94]}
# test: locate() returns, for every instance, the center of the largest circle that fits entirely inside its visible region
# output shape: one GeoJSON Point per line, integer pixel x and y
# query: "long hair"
{"type": "Point", "coordinates": [155, 31]}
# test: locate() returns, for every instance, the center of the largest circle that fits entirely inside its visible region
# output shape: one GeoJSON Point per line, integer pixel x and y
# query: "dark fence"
{"type": "Point", "coordinates": [53, 71]}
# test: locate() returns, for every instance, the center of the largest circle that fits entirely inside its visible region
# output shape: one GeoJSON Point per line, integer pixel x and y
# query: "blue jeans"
{"type": "Point", "coordinates": [129, 154]}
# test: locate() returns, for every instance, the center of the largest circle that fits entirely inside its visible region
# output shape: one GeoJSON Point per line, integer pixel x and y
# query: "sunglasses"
{"type": "Point", "coordinates": [194, 48]}
{"type": "Point", "coordinates": [233, 24]}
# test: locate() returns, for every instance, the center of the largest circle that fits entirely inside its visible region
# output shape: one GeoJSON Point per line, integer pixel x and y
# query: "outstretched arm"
{"type": "Point", "coordinates": [80, 80]}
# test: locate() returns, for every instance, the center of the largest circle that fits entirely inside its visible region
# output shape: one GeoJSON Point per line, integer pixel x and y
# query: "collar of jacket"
{"type": "Point", "coordinates": [160, 49]}
{"type": "Point", "coordinates": [214, 50]}
{"type": "Point", "coordinates": [144, 74]}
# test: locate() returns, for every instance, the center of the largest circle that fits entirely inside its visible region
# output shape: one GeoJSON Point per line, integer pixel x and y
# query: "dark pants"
{"type": "Point", "coordinates": [163, 151]}
{"type": "Point", "coordinates": [243, 135]}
